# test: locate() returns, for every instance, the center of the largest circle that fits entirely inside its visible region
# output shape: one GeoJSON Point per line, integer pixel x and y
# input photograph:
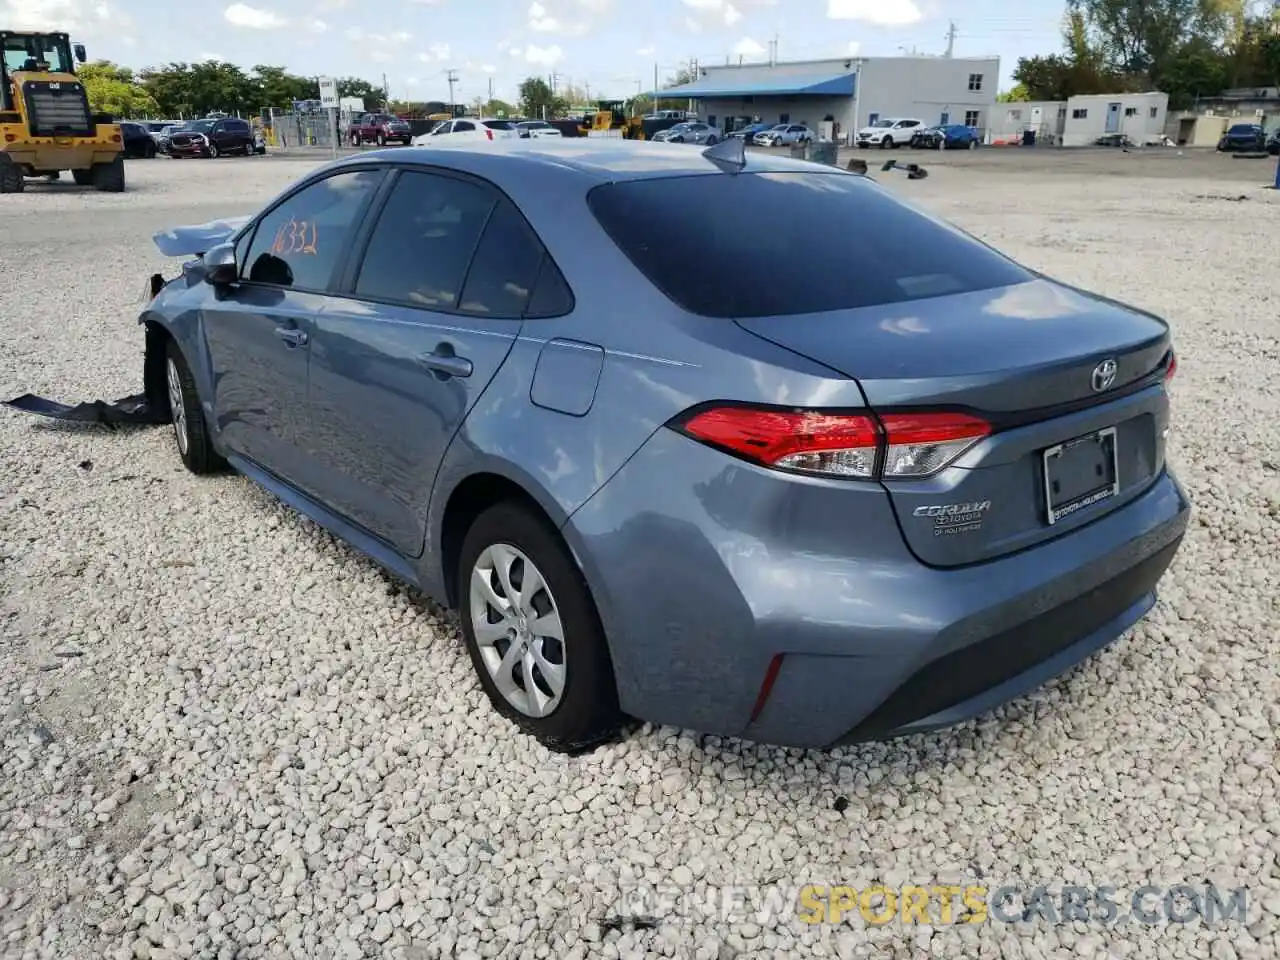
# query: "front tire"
{"type": "Point", "coordinates": [190, 433]}
{"type": "Point", "coordinates": [532, 631]}
{"type": "Point", "coordinates": [109, 177]}
{"type": "Point", "coordinates": [149, 152]}
{"type": "Point", "coordinates": [214, 152]}
{"type": "Point", "coordinates": [382, 141]}
{"type": "Point", "coordinates": [82, 177]}
{"type": "Point", "coordinates": [886, 143]}
{"type": "Point", "coordinates": [11, 180]}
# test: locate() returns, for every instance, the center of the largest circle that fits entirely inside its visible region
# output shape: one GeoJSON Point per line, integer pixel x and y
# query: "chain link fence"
{"type": "Point", "coordinates": [286, 130]}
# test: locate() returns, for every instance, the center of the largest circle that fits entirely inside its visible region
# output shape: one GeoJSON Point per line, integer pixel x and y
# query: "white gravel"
{"type": "Point", "coordinates": [224, 734]}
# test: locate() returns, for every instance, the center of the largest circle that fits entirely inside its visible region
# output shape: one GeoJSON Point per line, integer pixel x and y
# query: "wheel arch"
{"type": "Point", "coordinates": [469, 497]}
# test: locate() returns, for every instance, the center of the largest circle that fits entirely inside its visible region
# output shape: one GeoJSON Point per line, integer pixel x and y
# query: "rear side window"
{"type": "Point", "coordinates": [505, 267]}
{"type": "Point", "coordinates": [771, 244]}
{"type": "Point", "coordinates": [461, 125]}
{"type": "Point", "coordinates": [423, 242]}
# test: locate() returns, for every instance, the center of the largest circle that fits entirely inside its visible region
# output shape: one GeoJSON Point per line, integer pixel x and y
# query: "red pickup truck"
{"type": "Point", "coordinates": [379, 128]}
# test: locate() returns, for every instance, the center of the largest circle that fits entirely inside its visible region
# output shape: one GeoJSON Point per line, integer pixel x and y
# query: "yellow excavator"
{"type": "Point", "coordinates": [612, 115]}
{"type": "Point", "coordinates": [45, 123]}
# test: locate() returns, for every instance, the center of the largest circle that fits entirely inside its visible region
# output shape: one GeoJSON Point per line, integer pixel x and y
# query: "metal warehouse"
{"type": "Point", "coordinates": [839, 96]}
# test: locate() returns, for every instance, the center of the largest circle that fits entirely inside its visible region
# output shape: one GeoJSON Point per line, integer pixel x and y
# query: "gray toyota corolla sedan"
{"type": "Point", "coordinates": [852, 476]}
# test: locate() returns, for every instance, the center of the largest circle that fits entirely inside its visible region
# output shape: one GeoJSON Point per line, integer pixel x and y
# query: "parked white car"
{"type": "Point", "coordinates": [536, 130]}
{"type": "Point", "coordinates": [467, 128]}
{"type": "Point", "coordinates": [888, 132]}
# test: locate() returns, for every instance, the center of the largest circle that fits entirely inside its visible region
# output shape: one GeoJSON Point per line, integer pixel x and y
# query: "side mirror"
{"type": "Point", "coordinates": [81, 56]}
{"type": "Point", "coordinates": [220, 266]}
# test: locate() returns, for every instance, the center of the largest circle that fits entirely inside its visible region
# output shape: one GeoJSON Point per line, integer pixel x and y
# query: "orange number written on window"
{"type": "Point", "coordinates": [295, 236]}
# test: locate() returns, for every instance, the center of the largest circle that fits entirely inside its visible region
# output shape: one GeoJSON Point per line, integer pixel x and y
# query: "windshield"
{"type": "Point", "coordinates": [201, 126]}
{"type": "Point", "coordinates": [49, 54]}
{"type": "Point", "coordinates": [883, 123]}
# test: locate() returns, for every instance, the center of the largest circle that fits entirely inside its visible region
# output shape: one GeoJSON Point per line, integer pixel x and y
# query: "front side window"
{"type": "Point", "coordinates": [300, 242]}
{"type": "Point", "coordinates": [423, 241]}
{"type": "Point", "coordinates": [461, 125]}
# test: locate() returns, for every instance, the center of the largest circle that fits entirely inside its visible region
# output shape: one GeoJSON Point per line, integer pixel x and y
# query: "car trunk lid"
{"type": "Point", "coordinates": [1045, 365]}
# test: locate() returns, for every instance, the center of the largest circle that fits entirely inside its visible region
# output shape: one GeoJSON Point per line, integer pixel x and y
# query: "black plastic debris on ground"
{"type": "Point", "coordinates": [135, 410]}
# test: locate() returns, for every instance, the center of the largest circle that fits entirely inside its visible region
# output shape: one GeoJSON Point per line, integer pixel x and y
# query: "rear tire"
{"type": "Point", "coordinates": [191, 434]}
{"type": "Point", "coordinates": [82, 177]}
{"type": "Point", "coordinates": [584, 712]}
{"type": "Point", "coordinates": [10, 177]}
{"type": "Point", "coordinates": [109, 177]}
{"type": "Point", "coordinates": [149, 152]}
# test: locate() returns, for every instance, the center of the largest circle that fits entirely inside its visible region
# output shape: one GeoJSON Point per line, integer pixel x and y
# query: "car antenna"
{"type": "Point", "coordinates": [730, 155]}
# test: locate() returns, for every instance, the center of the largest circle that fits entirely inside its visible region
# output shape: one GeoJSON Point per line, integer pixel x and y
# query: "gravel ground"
{"type": "Point", "coordinates": [224, 734]}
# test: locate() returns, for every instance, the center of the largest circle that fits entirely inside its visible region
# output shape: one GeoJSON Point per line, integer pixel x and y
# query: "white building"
{"type": "Point", "coordinates": [846, 93]}
{"type": "Point", "coordinates": [1141, 116]}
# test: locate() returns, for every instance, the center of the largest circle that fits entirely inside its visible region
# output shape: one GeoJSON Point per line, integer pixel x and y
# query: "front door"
{"type": "Point", "coordinates": [259, 331]}
{"type": "Point", "coordinates": [434, 307]}
{"type": "Point", "coordinates": [1113, 118]}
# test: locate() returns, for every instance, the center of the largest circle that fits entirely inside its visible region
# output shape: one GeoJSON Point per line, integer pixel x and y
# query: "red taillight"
{"type": "Point", "coordinates": [836, 444]}
{"type": "Point", "coordinates": [857, 445]}
{"type": "Point", "coordinates": [488, 133]}
{"type": "Point", "coordinates": [1172, 368]}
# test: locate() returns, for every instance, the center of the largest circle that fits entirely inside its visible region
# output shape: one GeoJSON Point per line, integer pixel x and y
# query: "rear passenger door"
{"type": "Point", "coordinates": [434, 299]}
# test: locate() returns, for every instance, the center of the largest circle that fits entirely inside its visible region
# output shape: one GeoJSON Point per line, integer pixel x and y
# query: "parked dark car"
{"type": "Point", "coordinates": [748, 132]}
{"type": "Point", "coordinates": [950, 136]}
{"type": "Point", "coordinates": [137, 140]}
{"type": "Point", "coordinates": [1244, 137]}
{"type": "Point", "coordinates": [827, 484]}
{"type": "Point", "coordinates": [224, 136]}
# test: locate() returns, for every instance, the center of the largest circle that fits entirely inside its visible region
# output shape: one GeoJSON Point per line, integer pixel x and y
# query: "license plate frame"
{"type": "Point", "coordinates": [1058, 508]}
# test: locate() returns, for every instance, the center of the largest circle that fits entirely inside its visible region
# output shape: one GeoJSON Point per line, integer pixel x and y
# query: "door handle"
{"type": "Point", "coordinates": [294, 338]}
{"type": "Point", "coordinates": [445, 363]}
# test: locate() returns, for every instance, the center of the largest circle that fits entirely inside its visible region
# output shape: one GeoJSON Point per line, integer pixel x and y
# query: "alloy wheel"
{"type": "Point", "coordinates": [177, 407]}
{"type": "Point", "coordinates": [518, 629]}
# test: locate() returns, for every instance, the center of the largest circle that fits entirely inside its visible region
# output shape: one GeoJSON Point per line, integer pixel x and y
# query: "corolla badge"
{"type": "Point", "coordinates": [1104, 375]}
{"type": "Point", "coordinates": [950, 519]}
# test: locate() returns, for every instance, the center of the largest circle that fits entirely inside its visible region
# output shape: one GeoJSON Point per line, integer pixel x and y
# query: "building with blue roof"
{"type": "Point", "coordinates": [838, 97]}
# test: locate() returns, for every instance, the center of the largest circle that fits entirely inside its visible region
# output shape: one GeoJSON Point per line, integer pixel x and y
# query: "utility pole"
{"type": "Point", "coordinates": [491, 90]}
{"type": "Point", "coordinates": [951, 40]}
{"type": "Point", "coordinates": [452, 76]}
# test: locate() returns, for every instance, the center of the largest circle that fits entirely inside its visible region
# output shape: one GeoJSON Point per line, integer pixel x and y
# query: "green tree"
{"type": "Point", "coordinates": [276, 87]}
{"type": "Point", "coordinates": [536, 99]}
{"type": "Point", "coordinates": [112, 89]}
{"type": "Point", "coordinates": [1018, 93]}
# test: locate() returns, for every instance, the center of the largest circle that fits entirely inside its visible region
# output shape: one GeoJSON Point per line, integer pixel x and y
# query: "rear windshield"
{"type": "Point", "coordinates": [772, 244]}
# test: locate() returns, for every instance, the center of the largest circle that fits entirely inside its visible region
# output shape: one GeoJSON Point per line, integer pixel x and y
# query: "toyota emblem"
{"type": "Point", "coordinates": [1104, 375]}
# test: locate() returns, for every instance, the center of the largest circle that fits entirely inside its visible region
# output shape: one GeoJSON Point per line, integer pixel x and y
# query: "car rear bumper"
{"type": "Point", "coordinates": [706, 571]}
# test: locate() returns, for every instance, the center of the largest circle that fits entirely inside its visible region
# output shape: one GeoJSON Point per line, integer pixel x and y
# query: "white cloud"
{"type": "Point", "coordinates": [692, 25]}
{"type": "Point", "coordinates": [317, 26]}
{"type": "Point", "coordinates": [746, 47]}
{"type": "Point", "coordinates": [645, 52]}
{"type": "Point", "coordinates": [853, 48]}
{"type": "Point", "coordinates": [881, 13]}
{"type": "Point", "coordinates": [252, 18]}
{"type": "Point", "coordinates": [540, 21]}
{"type": "Point", "coordinates": [441, 51]}
{"type": "Point", "coordinates": [488, 68]}
{"type": "Point", "coordinates": [206, 57]}
{"type": "Point", "coordinates": [543, 56]}
{"type": "Point", "coordinates": [410, 81]}
{"type": "Point", "coordinates": [704, 4]}
{"type": "Point", "coordinates": [731, 14]}
{"type": "Point", "coordinates": [596, 6]}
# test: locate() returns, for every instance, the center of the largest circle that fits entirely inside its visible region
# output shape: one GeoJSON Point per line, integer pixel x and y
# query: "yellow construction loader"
{"type": "Point", "coordinates": [45, 123]}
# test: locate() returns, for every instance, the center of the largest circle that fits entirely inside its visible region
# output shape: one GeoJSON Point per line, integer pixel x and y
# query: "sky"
{"type": "Point", "coordinates": [608, 47]}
